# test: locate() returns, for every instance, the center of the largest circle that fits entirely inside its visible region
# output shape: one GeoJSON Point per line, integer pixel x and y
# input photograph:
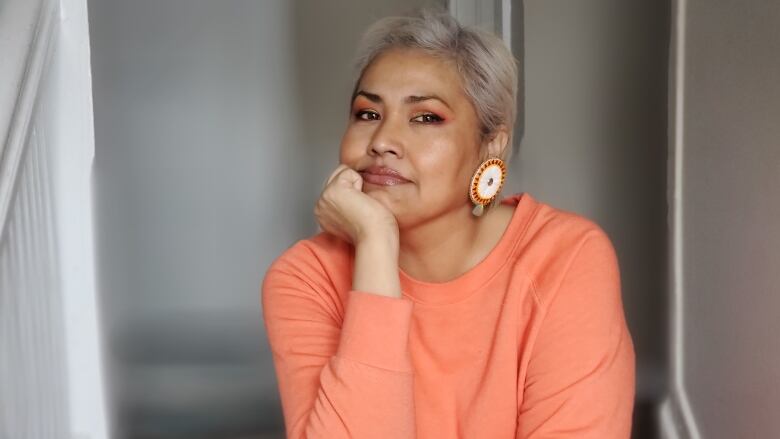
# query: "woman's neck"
{"type": "Point", "coordinates": [446, 247]}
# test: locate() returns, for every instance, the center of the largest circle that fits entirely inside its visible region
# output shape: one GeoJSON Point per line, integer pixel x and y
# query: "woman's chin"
{"type": "Point", "coordinates": [390, 201]}
{"type": "Point", "coordinates": [378, 194]}
{"type": "Point", "coordinates": [385, 191]}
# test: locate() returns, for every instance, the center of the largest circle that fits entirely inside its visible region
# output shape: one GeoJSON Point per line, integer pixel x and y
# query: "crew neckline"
{"type": "Point", "coordinates": [439, 293]}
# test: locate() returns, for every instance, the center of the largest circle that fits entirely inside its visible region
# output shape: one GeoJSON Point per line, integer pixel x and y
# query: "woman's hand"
{"type": "Point", "coordinates": [345, 211]}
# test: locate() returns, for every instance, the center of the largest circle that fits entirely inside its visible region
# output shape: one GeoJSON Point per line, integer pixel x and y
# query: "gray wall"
{"type": "Point", "coordinates": [196, 124]}
{"type": "Point", "coordinates": [731, 217]}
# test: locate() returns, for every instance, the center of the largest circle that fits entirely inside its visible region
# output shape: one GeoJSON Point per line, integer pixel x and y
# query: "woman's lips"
{"type": "Point", "coordinates": [382, 180]}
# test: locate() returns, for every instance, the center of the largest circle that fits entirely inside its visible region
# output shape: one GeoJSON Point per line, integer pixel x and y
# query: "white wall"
{"type": "Point", "coordinates": [51, 371]}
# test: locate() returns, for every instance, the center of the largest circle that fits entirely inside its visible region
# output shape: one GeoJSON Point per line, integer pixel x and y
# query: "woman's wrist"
{"type": "Point", "coordinates": [376, 265]}
{"type": "Point", "coordinates": [378, 233]}
{"type": "Point", "coordinates": [379, 237]}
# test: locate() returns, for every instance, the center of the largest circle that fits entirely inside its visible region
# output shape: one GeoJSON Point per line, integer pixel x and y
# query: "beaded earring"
{"type": "Point", "coordinates": [486, 183]}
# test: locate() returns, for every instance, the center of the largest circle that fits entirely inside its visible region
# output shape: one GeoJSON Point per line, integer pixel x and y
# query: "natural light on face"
{"type": "Point", "coordinates": [411, 114]}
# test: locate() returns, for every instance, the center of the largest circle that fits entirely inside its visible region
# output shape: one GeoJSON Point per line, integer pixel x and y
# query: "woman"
{"type": "Point", "coordinates": [426, 308]}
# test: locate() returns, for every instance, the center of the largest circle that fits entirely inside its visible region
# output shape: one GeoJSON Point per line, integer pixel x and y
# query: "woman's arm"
{"type": "Point", "coordinates": [376, 264]}
{"type": "Point", "coordinates": [350, 379]}
{"type": "Point", "coordinates": [580, 378]}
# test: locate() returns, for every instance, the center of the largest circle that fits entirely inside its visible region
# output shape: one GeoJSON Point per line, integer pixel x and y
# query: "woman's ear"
{"type": "Point", "coordinates": [497, 144]}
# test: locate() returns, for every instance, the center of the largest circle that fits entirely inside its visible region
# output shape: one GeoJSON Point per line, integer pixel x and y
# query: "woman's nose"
{"type": "Point", "coordinates": [385, 140]}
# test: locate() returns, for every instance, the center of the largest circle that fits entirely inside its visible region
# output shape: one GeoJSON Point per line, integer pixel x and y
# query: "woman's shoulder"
{"type": "Point", "coordinates": [559, 241]}
{"type": "Point", "coordinates": [552, 229]}
{"type": "Point", "coordinates": [317, 253]}
{"type": "Point", "coordinates": [564, 227]}
{"type": "Point", "coordinates": [321, 261]}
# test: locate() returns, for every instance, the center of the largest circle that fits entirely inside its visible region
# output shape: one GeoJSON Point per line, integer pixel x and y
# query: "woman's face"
{"type": "Point", "coordinates": [411, 114]}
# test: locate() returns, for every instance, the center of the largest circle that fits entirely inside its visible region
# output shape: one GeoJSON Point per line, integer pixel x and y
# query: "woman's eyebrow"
{"type": "Point", "coordinates": [373, 97]}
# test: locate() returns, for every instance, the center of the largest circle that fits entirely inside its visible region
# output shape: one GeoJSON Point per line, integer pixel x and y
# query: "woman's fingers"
{"type": "Point", "coordinates": [345, 211]}
{"type": "Point", "coordinates": [354, 179]}
{"type": "Point", "coordinates": [336, 172]}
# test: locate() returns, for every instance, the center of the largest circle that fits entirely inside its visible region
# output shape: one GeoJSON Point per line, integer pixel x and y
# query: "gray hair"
{"type": "Point", "coordinates": [488, 70]}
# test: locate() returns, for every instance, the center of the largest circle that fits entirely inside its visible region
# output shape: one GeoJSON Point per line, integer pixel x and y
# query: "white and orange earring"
{"type": "Point", "coordinates": [486, 184]}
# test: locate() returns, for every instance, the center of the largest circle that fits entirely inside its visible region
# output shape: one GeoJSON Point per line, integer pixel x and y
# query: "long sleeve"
{"type": "Point", "coordinates": [339, 379]}
{"type": "Point", "coordinates": [581, 374]}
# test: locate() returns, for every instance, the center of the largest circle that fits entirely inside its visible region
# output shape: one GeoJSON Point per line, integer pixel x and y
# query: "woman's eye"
{"type": "Point", "coordinates": [371, 115]}
{"type": "Point", "coordinates": [423, 118]}
{"type": "Point", "coordinates": [429, 118]}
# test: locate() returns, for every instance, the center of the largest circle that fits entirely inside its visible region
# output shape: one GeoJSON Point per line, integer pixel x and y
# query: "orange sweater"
{"type": "Point", "coordinates": [531, 342]}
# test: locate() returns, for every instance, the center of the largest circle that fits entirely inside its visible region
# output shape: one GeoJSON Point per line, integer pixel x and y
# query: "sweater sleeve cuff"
{"type": "Point", "coordinates": [376, 331]}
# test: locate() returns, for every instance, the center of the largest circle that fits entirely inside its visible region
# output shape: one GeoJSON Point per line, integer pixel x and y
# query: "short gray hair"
{"type": "Point", "coordinates": [488, 70]}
